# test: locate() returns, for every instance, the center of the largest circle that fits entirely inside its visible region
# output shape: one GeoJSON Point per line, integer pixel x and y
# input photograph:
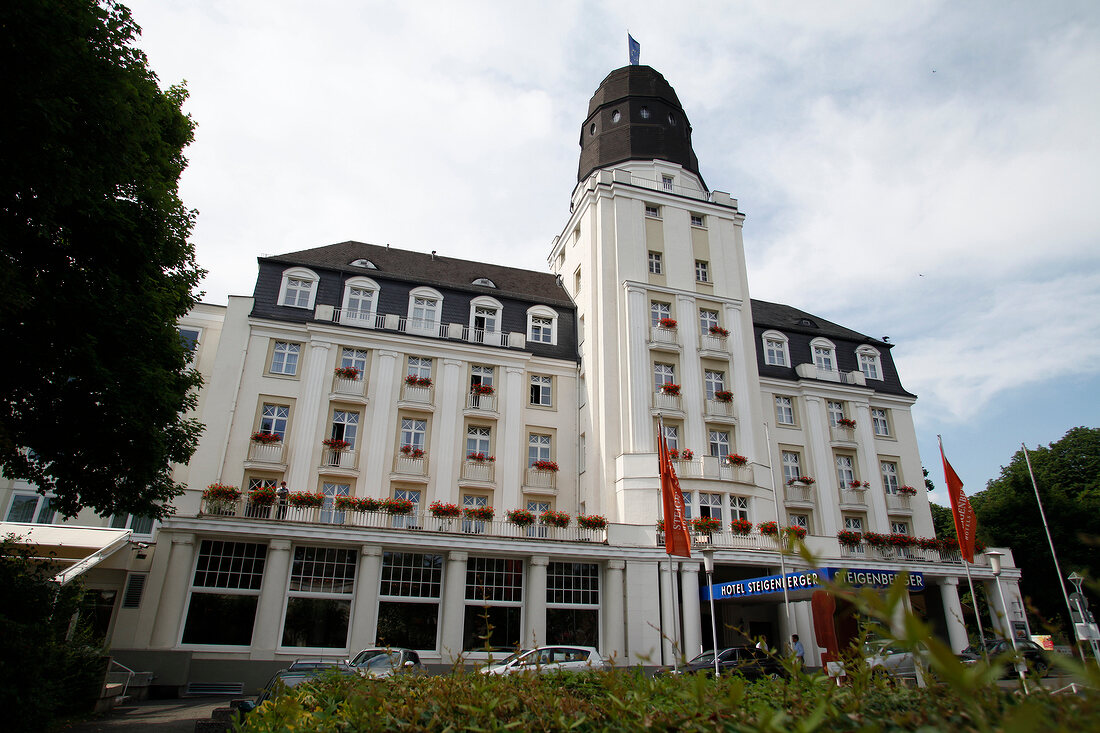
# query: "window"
{"type": "Point", "coordinates": [420, 367]}
{"type": "Point", "coordinates": [672, 437]}
{"type": "Point", "coordinates": [407, 520]}
{"type": "Point", "coordinates": [708, 319]}
{"type": "Point", "coordinates": [644, 113]}
{"type": "Point", "coordinates": [480, 374]}
{"type": "Point", "coordinates": [284, 358]}
{"type": "Point", "coordinates": [541, 390]}
{"type": "Point", "coordinates": [273, 419]}
{"type": "Point", "coordinates": [653, 211]}
{"type": "Point", "coordinates": [869, 362]}
{"type": "Point", "coordinates": [494, 589]}
{"type": "Point", "coordinates": [658, 311]}
{"type": "Point", "coordinates": [714, 381]}
{"type": "Point", "coordinates": [484, 282]}
{"type": "Point", "coordinates": [364, 263]}
{"type": "Point", "coordinates": [537, 507]}
{"type": "Point", "coordinates": [801, 520]}
{"type": "Point", "coordinates": [792, 466]}
{"type": "Point", "coordinates": [824, 355]}
{"type": "Point", "coordinates": [478, 440]}
{"type": "Point", "coordinates": [538, 448]}
{"type": "Point", "coordinates": [880, 423]}
{"type": "Point", "coordinates": [425, 310]}
{"type": "Point", "coordinates": [257, 482]}
{"type": "Point", "coordinates": [853, 524]}
{"type": "Point", "coordinates": [663, 374]}
{"type": "Point", "coordinates": [542, 325]}
{"type": "Point", "coordinates": [485, 317]}
{"type": "Point", "coordinates": [345, 425]}
{"type": "Point", "coordinates": [573, 603]}
{"type": "Point", "coordinates": [710, 505]}
{"type": "Point", "coordinates": [318, 605]}
{"type": "Point", "coordinates": [189, 337]}
{"type": "Point", "coordinates": [137, 524]}
{"type": "Point", "coordinates": [329, 515]}
{"type": "Point", "coordinates": [408, 605]}
{"type": "Point", "coordinates": [739, 507]}
{"type": "Point", "coordinates": [299, 288]}
{"type": "Point", "coordinates": [702, 271]}
{"type": "Point", "coordinates": [667, 182]}
{"type": "Point", "coordinates": [425, 306]}
{"type": "Point", "coordinates": [784, 410]}
{"type": "Point", "coordinates": [354, 359]}
{"type": "Point", "coordinates": [889, 476]}
{"type": "Point", "coordinates": [775, 349]}
{"type": "Point", "coordinates": [474, 501]}
{"type": "Point", "coordinates": [577, 281]}
{"type": "Point", "coordinates": [413, 432]}
{"type": "Point", "coordinates": [835, 411]}
{"type": "Point", "coordinates": [719, 443]}
{"type": "Point", "coordinates": [225, 590]}
{"type": "Point", "coordinates": [697, 220]}
{"type": "Point", "coordinates": [360, 300]}
{"type": "Point", "coordinates": [845, 471]}
{"type": "Point", "coordinates": [655, 263]}
{"type": "Point", "coordinates": [30, 507]}
{"type": "Point", "coordinates": [899, 527]}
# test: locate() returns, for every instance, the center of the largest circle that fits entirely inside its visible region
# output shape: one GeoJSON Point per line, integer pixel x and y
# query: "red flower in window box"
{"type": "Point", "coordinates": [335, 444]}
{"type": "Point", "coordinates": [718, 331]}
{"type": "Point", "coordinates": [306, 499]}
{"type": "Point", "coordinates": [480, 458]}
{"type": "Point", "coordinates": [263, 496]}
{"type": "Point", "coordinates": [444, 511]}
{"type": "Point", "coordinates": [874, 539]}
{"type": "Point", "coordinates": [480, 513]}
{"type": "Point", "coordinates": [805, 480]}
{"type": "Point", "coordinates": [355, 504]}
{"type": "Point", "coordinates": [667, 323]}
{"type": "Point", "coordinates": [768, 529]}
{"type": "Point", "coordinates": [411, 451]}
{"type": "Point", "coordinates": [221, 492]}
{"type": "Point", "coordinates": [907, 491]}
{"type": "Point", "coordinates": [686, 455]}
{"type": "Point", "coordinates": [706, 524]}
{"type": "Point", "coordinates": [741, 526]}
{"type": "Point", "coordinates": [660, 525]}
{"type": "Point", "coordinates": [859, 485]}
{"type": "Point", "coordinates": [346, 372]}
{"type": "Point", "coordinates": [795, 531]}
{"type": "Point", "coordinates": [736, 459]}
{"type": "Point", "coordinates": [670, 389]}
{"type": "Point", "coordinates": [397, 506]}
{"type": "Point", "coordinates": [928, 543]}
{"type": "Point", "coordinates": [845, 423]}
{"type": "Point", "coordinates": [849, 538]}
{"type": "Point", "coordinates": [414, 381]}
{"type": "Point", "coordinates": [591, 521]}
{"type": "Point", "coordinates": [723, 396]}
{"type": "Point", "coordinates": [554, 518]}
{"type": "Point", "coordinates": [265, 438]}
{"type": "Point", "coordinates": [521, 517]}
{"type": "Point", "coordinates": [483, 389]}
{"type": "Point", "coordinates": [544, 466]}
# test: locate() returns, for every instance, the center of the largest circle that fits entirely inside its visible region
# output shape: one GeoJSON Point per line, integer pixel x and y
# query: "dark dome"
{"type": "Point", "coordinates": [635, 115]}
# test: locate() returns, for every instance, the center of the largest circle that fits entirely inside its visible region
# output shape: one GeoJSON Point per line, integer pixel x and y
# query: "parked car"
{"type": "Point", "coordinates": [1034, 656]}
{"type": "Point", "coordinates": [747, 661]}
{"type": "Point", "coordinates": [297, 673]}
{"type": "Point", "coordinates": [379, 662]}
{"type": "Point", "coordinates": [547, 659]}
{"type": "Point", "coordinates": [894, 660]}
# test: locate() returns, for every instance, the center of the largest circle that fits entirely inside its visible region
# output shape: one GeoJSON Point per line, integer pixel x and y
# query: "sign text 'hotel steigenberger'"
{"type": "Point", "coordinates": [809, 580]}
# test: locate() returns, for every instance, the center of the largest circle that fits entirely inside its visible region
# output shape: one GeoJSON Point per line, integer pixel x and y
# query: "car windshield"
{"type": "Point", "coordinates": [512, 657]}
{"type": "Point", "coordinates": [382, 660]}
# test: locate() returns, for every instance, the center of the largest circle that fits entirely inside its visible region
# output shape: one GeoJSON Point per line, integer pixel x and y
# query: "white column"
{"type": "Point", "coordinates": [266, 633]}
{"type": "Point", "coordinates": [643, 612]}
{"type": "Point", "coordinates": [534, 611]}
{"type": "Point", "coordinates": [670, 636]}
{"type": "Point", "coordinates": [383, 420]}
{"type": "Point", "coordinates": [613, 643]}
{"type": "Point", "coordinates": [689, 593]}
{"type": "Point", "coordinates": [511, 442]}
{"type": "Point", "coordinates": [997, 613]}
{"type": "Point", "coordinates": [446, 434]}
{"type": "Point", "coordinates": [748, 423]}
{"type": "Point", "coordinates": [173, 596]}
{"type": "Point", "coordinates": [804, 627]}
{"type": "Point", "coordinates": [952, 611]}
{"type": "Point", "coordinates": [691, 376]}
{"type": "Point", "coordinates": [639, 437]}
{"type": "Point", "coordinates": [814, 422]}
{"type": "Point", "coordinates": [869, 468]}
{"type": "Point", "coordinates": [454, 606]}
{"type": "Point", "coordinates": [364, 621]}
{"type": "Point", "coordinates": [308, 417]}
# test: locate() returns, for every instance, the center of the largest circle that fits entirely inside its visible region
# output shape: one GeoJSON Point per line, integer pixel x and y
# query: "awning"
{"type": "Point", "coordinates": [78, 548]}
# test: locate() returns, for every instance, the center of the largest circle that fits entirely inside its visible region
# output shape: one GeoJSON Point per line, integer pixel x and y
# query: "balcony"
{"type": "Point", "coordinates": [266, 452]}
{"type": "Point", "coordinates": [358, 318]}
{"type": "Point", "coordinates": [740, 474]}
{"type": "Point", "coordinates": [484, 471]}
{"type": "Point", "coordinates": [483, 336]}
{"type": "Point", "coordinates": [713, 343]}
{"type": "Point", "coordinates": [898, 502]}
{"type": "Point", "coordinates": [481, 402]}
{"type": "Point", "coordinates": [688, 469]}
{"type": "Point", "coordinates": [800, 494]}
{"type": "Point", "coordinates": [660, 336]}
{"type": "Point", "coordinates": [349, 387]}
{"type": "Point", "coordinates": [537, 478]}
{"type": "Point", "coordinates": [839, 434]}
{"type": "Point", "coordinates": [717, 409]}
{"type": "Point", "coordinates": [726, 540]}
{"type": "Point", "coordinates": [409, 465]}
{"type": "Point", "coordinates": [417, 395]}
{"type": "Point", "coordinates": [853, 497]}
{"type": "Point", "coordinates": [663, 401]}
{"type": "Point", "coordinates": [343, 458]}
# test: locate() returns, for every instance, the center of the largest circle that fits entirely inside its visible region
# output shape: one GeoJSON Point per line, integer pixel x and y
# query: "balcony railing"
{"type": "Point", "coordinates": [740, 474]}
{"type": "Point", "coordinates": [343, 458]}
{"type": "Point", "coordinates": [662, 335]}
{"type": "Point", "coordinates": [717, 408]}
{"type": "Point", "coordinates": [345, 386]}
{"type": "Point", "coordinates": [662, 401]}
{"type": "Point", "coordinates": [857, 497]}
{"type": "Point", "coordinates": [729, 540]}
{"type": "Point", "coordinates": [266, 452]}
{"type": "Point", "coordinates": [478, 470]}
{"type": "Point", "coordinates": [538, 478]}
{"type": "Point", "coordinates": [840, 434]}
{"type": "Point", "coordinates": [486, 402]}
{"type": "Point", "coordinates": [689, 469]}
{"type": "Point", "coordinates": [483, 336]}
{"type": "Point", "coordinates": [711, 342]}
{"type": "Point", "coordinates": [898, 502]}
{"type": "Point", "coordinates": [358, 318]}
{"type": "Point", "coordinates": [412, 393]}
{"type": "Point", "coordinates": [800, 493]}
{"type": "Point", "coordinates": [419, 521]}
{"type": "Point", "coordinates": [411, 466]}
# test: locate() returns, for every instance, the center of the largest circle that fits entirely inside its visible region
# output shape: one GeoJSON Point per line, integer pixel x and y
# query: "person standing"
{"type": "Point", "coordinates": [282, 494]}
{"type": "Point", "coordinates": [799, 650]}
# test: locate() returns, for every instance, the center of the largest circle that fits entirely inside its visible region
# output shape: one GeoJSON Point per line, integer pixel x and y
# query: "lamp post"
{"type": "Point", "coordinates": [995, 563]}
{"type": "Point", "coordinates": [708, 565]}
{"type": "Point", "coordinates": [1077, 579]}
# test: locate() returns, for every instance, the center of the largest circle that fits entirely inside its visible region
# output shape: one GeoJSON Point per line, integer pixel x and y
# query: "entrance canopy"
{"type": "Point", "coordinates": [75, 549]}
{"type": "Point", "coordinates": [801, 584]}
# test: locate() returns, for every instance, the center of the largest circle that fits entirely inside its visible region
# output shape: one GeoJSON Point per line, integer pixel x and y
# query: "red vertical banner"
{"type": "Point", "coordinates": [966, 524]}
{"type": "Point", "coordinates": [677, 539]}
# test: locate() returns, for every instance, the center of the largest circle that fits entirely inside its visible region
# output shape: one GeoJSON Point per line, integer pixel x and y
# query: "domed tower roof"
{"type": "Point", "coordinates": [635, 115]}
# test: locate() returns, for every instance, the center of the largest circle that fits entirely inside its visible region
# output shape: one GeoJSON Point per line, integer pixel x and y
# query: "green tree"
{"type": "Point", "coordinates": [944, 521]}
{"type": "Point", "coordinates": [1067, 473]}
{"type": "Point", "coordinates": [95, 266]}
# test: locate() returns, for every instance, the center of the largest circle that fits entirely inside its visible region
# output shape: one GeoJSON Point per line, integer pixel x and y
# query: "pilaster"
{"type": "Point", "coordinates": [692, 621]}
{"type": "Point", "coordinates": [952, 611]}
{"type": "Point", "coordinates": [511, 454]}
{"type": "Point", "coordinates": [534, 612]}
{"type": "Point", "coordinates": [173, 596]}
{"type": "Point", "coordinates": [639, 426]}
{"type": "Point", "coordinates": [613, 642]}
{"type": "Point", "coordinates": [364, 621]}
{"type": "Point", "coordinates": [454, 606]}
{"type": "Point", "coordinates": [445, 439]}
{"type": "Point", "coordinates": [306, 431]}
{"type": "Point", "coordinates": [384, 418]}
{"type": "Point", "coordinates": [269, 609]}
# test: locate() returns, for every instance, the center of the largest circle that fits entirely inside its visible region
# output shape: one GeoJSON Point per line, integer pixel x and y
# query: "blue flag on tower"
{"type": "Point", "coordinates": [635, 50]}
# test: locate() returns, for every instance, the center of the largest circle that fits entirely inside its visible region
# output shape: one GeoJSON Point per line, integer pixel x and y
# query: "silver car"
{"type": "Point", "coordinates": [548, 659]}
{"type": "Point", "coordinates": [382, 662]}
{"type": "Point", "coordinates": [893, 660]}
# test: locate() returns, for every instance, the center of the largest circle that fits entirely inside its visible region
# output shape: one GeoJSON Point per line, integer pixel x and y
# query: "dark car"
{"type": "Point", "coordinates": [747, 661]}
{"type": "Point", "coordinates": [383, 662]}
{"type": "Point", "coordinates": [1034, 656]}
{"type": "Point", "coordinates": [294, 675]}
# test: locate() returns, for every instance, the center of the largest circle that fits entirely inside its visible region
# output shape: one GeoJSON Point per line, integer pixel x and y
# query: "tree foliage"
{"type": "Point", "coordinates": [95, 266]}
{"type": "Point", "coordinates": [1067, 473]}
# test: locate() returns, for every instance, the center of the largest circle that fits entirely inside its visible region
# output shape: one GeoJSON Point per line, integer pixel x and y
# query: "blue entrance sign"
{"type": "Point", "coordinates": [808, 580]}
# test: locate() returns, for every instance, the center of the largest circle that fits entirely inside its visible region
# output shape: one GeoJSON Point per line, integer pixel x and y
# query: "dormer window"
{"type": "Point", "coordinates": [824, 354]}
{"type": "Point", "coordinates": [299, 288]}
{"type": "Point", "coordinates": [869, 362]}
{"type": "Point", "coordinates": [360, 302]}
{"type": "Point", "coordinates": [775, 349]}
{"type": "Point", "coordinates": [486, 282]}
{"type": "Point", "coordinates": [364, 263]}
{"type": "Point", "coordinates": [542, 325]}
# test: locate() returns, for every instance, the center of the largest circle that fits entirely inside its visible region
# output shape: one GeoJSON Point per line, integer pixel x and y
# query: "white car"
{"type": "Point", "coordinates": [893, 660]}
{"type": "Point", "coordinates": [547, 659]}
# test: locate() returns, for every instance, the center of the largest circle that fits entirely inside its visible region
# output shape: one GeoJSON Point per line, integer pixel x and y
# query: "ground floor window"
{"type": "Point", "coordinates": [494, 596]}
{"type": "Point", "coordinates": [408, 625]}
{"type": "Point", "coordinates": [408, 612]}
{"type": "Point", "coordinates": [573, 626]}
{"type": "Point", "coordinates": [224, 593]}
{"type": "Point", "coordinates": [218, 618]}
{"type": "Point", "coordinates": [316, 622]}
{"type": "Point", "coordinates": [573, 603]}
{"type": "Point", "coordinates": [318, 607]}
{"type": "Point", "coordinates": [493, 628]}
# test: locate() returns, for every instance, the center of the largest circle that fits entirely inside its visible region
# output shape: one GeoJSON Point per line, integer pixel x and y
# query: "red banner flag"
{"type": "Point", "coordinates": [677, 539]}
{"type": "Point", "coordinates": [966, 524]}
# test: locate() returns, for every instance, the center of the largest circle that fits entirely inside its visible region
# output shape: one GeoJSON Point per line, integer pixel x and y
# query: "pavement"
{"type": "Point", "coordinates": [162, 716]}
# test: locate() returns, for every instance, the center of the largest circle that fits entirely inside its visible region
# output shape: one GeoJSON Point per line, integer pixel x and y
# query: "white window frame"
{"type": "Point", "coordinates": [364, 284]}
{"type": "Point", "coordinates": [540, 447]}
{"type": "Point", "coordinates": [287, 350]}
{"type": "Point", "coordinates": [668, 183]}
{"type": "Point", "coordinates": [776, 352]}
{"type": "Point", "coordinates": [304, 276]}
{"type": "Point", "coordinates": [714, 381]}
{"type": "Point", "coordinates": [699, 221]}
{"type": "Point", "coordinates": [835, 411]}
{"type": "Point", "coordinates": [484, 306]}
{"type": "Point", "coordinates": [845, 469]}
{"type": "Point", "coordinates": [880, 422]}
{"type": "Point", "coordinates": [653, 211]}
{"type": "Point", "coordinates": [672, 436]}
{"type": "Point", "coordinates": [899, 527]}
{"type": "Point", "coordinates": [711, 505]}
{"type": "Point", "coordinates": [792, 465]}
{"type": "Point", "coordinates": [870, 362]}
{"type": "Point", "coordinates": [891, 476]}
{"type": "Point", "coordinates": [482, 374]}
{"type": "Point", "coordinates": [663, 374]}
{"type": "Point", "coordinates": [423, 318]}
{"type": "Point", "coordinates": [853, 523]}
{"type": "Point", "coordinates": [656, 263]}
{"type": "Point", "coordinates": [43, 513]}
{"type": "Point", "coordinates": [419, 366]}
{"type": "Point", "coordinates": [739, 507]}
{"type": "Point", "coordinates": [657, 311]}
{"type": "Point", "coordinates": [544, 313]}
{"type": "Point", "coordinates": [702, 271]}
{"type": "Point", "coordinates": [719, 443]}
{"type": "Point", "coordinates": [414, 432]}
{"type": "Point", "coordinates": [356, 359]}
{"type": "Point", "coordinates": [706, 321]}
{"type": "Point", "coordinates": [784, 410]}
{"type": "Point", "coordinates": [479, 439]}
{"type": "Point", "coordinates": [345, 426]}
{"type": "Point", "coordinates": [274, 419]}
{"type": "Point", "coordinates": [824, 352]}
{"type": "Point", "coordinates": [544, 384]}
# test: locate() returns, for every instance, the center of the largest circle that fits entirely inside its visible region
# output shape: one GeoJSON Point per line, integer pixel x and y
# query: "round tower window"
{"type": "Point", "coordinates": [672, 120]}
{"type": "Point", "coordinates": [592, 129]}
{"type": "Point", "coordinates": [644, 112]}
{"type": "Point", "coordinates": [615, 116]}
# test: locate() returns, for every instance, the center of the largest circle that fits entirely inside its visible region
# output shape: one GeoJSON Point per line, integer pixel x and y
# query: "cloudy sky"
{"type": "Point", "coordinates": [926, 171]}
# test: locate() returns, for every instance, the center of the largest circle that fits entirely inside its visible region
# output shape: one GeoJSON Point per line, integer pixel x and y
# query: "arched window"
{"type": "Point", "coordinates": [824, 354]}
{"type": "Point", "coordinates": [425, 311]}
{"type": "Point", "coordinates": [360, 303]}
{"type": "Point", "coordinates": [869, 362]}
{"type": "Point", "coordinates": [367, 264]}
{"type": "Point", "coordinates": [542, 325]}
{"type": "Point", "coordinates": [485, 320]}
{"type": "Point", "coordinates": [299, 288]}
{"type": "Point", "coordinates": [775, 349]}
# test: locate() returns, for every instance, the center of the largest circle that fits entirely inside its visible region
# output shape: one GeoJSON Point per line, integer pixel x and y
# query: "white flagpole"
{"type": "Point", "coordinates": [966, 565]}
{"type": "Point", "coordinates": [671, 572]}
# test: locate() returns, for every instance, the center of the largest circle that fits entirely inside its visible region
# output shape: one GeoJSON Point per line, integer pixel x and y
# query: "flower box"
{"type": "Point", "coordinates": [480, 513]}
{"type": "Point", "coordinates": [718, 331]}
{"type": "Point", "coordinates": [346, 372]}
{"type": "Point", "coordinates": [265, 438]}
{"type": "Point", "coordinates": [797, 532]}
{"type": "Point", "coordinates": [928, 543]}
{"type": "Point", "coordinates": [411, 451]}
{"type": "Point", "coordinates": [859, 485]}
{"type": "Point", "coordinates": [849, 538]}
{"type": "Point", "coordinates": [768, 529]}
{"type": "Point", "coordinates": [221, 492]}
{"type": "Point", "coordinates": [480, 458]}
{"type": "Point", "coordinates": [544, 466]}
{"type": "Point", "coordinates": [482, 389]}
{"type": "Point", "coordinates": [306, 499]}
{"type": "Point", "coordinates": [356, 504]}
{"type": "Point", "coordinates": [554, 518]}
{"type": "Point", "coordinates": [414, 381]}
{"type": "Point", "coordinates": [845, 423]}
{"type": "Point", "coordinates": [907, 491]}
{"type": "Point", "coordinates": [803, 480]}
{"type": "Point", "coordinates": [667, 323]}
{"type": "Point", "coordinates": [591, 521]}
{"type": "Point", "coordinates": [397, 506]}
{"type": "Point", "coordinates": [723, 396]}
{"type": "Point", "coordinates": [335, 444]}
{"type": "Point", "coordinates": [660, 525]}
{"type": "Point", "coordinates": [706, 524]}
{"type": "Point", "coordinates": [874, 539]}
{"type": "Point", "coordinates": [897, 539]}
{"type": "Point", "coordinates": [444, 511]}
{"type": "Point", "coordinates": [686, 455]}
{"type": "Point", "coordinates": [521, 517]}
{"type": "Point", "coordinates": [264, 496]}
{"type": "Point", "coordinates": [670, 389]}
{"type": "Point", "coordinates": [735, 459]}
{"type": "Point", "coordinates": [741, 526]}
